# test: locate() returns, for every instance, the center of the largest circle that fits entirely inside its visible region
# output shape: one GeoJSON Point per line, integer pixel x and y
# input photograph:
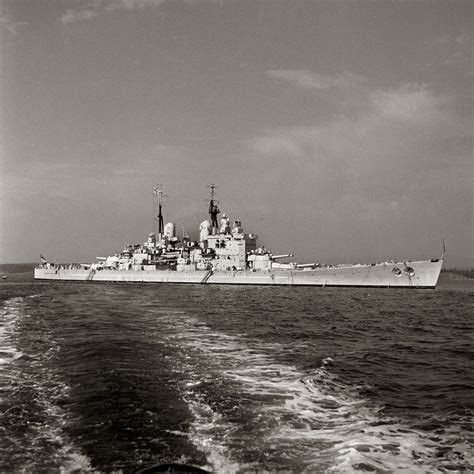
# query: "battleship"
{"type": "Point", "coordinates": [225, 254]}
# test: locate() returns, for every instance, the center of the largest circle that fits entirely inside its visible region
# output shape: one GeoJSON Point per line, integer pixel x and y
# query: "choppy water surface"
{"type": "Point", "coordinates": [117, 377]}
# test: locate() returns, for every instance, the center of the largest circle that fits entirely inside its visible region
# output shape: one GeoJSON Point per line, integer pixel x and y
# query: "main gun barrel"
{"type": "Point", "coordinates": [274, 257]}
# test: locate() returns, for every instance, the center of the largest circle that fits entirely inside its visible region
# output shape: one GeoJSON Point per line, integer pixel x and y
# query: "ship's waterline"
{"type": "Point", "coordinates": [426, 275]}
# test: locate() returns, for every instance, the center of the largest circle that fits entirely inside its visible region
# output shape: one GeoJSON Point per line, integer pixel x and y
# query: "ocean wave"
{"type": "Point", "coordinates": [297, 421]}
{"type": "Point", "coordinates": [30, 416]}
{"type": "Point", "coordinates": [9, 313]}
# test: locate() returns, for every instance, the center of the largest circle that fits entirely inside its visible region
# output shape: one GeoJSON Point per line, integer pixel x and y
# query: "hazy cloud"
{"type": "Point", "coordinates": [446, 39]}
{"type": "Point", "coordinates": [397, 168]}
{"type": "Point", "coordinates": [312, 80]}
{"type": "Point", "coordinates": [443, 39]}
{"type": "Point", "coordinates": [131, 4]}
{"type": "Point", "coordinates": [450, 48]}
{"type": "Point", "coordinates": [409, 103]}
{"type": "Point", "coordinates": [73, 16]}
{"type": "Point", "coordinates": [8, 24]}
{"type": "Point", "coordinates": [463, 39]}
{"type": "Point", "coordinates": [99, 7]}
{"type": "Point", "coordinates": [386, 153]}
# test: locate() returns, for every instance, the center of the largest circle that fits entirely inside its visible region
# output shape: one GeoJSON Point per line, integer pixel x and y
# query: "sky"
{"type": "Point", "coordinates": [340, 131]}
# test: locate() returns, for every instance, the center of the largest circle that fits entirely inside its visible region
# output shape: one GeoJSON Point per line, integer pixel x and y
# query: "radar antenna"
{"type": "Point", "coordinates": [158, 193]}
{"type": "Point", "coordinates": [213, 207]}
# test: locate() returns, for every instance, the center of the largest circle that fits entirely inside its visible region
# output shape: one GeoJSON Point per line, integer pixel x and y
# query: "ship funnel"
{"type": "Point", "coordinates": [204, 230]}
{"type": "Point", "coordinates": [170, 230]}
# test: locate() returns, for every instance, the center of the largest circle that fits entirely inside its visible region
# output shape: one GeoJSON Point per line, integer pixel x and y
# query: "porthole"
{"type": "Point", "coordinates": [409, 271]}
{"type": "Point", "coordinates": [396, 271]}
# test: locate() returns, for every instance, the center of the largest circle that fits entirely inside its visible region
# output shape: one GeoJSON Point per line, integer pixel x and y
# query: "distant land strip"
{"type": "Point", "coordinates": [466, 272]}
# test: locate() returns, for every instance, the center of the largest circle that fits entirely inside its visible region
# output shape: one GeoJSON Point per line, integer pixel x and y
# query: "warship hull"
{"type": "Point", "coordinates": [420, 274]}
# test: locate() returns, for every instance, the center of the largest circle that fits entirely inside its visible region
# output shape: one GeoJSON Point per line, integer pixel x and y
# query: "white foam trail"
{"type": "Point", "coordinates": [9, 314]}
{"type": "Point", "coordinates": [209, 430]}
{"type": "Point", "coordinates": [51, 431]}
{"type": "Point", "coordinates": [207, 433]}
{"type": "Point", "coordinates": [316, 419]}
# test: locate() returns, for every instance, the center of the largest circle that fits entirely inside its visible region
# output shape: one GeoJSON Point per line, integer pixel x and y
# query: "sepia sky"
{"type": "Point", "coordinates": [336, 130]}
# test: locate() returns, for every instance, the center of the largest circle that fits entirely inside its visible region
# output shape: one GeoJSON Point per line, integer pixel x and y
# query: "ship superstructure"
{"type": "Point", "coordinates": [225, 254]}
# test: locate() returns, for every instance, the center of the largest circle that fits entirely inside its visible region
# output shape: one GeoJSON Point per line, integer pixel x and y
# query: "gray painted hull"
{"type": "Point", "coordinates": [425, 275]}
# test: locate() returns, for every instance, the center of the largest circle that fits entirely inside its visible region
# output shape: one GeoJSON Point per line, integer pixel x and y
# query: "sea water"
{"type": "Point", "coordinates": [121, 377]}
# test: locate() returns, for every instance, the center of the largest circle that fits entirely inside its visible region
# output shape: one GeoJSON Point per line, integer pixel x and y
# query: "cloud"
{"type": "Point", "coordinates": [402, 143]}
{"type": "Point", "coordinates": [463, 39]}
{"type": "Point", "coordinates": [8, 24]}
{"type": "Point", "coordinates": [452, 49]}
{"type": "Point", "coordinates": [396, 176]}
{"type": "Point", "coordinates": [409, 103]}
{"type": "Point", "coordinates": [74, 16]}
{"type": "Point", "coordinates": [132, 4]}
{"type": "Point", "coordinates": [100, 7]}
{"type": "Point", "coordinates": [312, 80]}
{"type": "Point", "coordinates": [445, 39]}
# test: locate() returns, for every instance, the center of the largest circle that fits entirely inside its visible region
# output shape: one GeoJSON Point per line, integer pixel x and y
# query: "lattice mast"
{"type": "Point", "coordinates": [213, 208]}
{"type": "Point", "coordinates": [159, 196]}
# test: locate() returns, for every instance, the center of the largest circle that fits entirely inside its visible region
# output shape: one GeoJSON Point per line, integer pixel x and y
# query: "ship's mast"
{"type": "Point", "coordinates": [213, 207]}
{"type": "Point", "coordinates": [158, 193]}
{"type": "Point", "coordinates": [185, 234]}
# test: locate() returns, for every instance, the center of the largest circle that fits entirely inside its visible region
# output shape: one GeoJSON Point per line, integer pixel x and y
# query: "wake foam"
{"type": "Point", "coordinates": [9, 314]}
{"type": "Point", "coordinates": [296, 421]}
{"type": "Point", "coordinates": [30, 390]}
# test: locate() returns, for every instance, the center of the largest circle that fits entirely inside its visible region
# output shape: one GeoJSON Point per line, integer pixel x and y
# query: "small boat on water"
{"type": "Point", "coordinates": [225, 254]}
